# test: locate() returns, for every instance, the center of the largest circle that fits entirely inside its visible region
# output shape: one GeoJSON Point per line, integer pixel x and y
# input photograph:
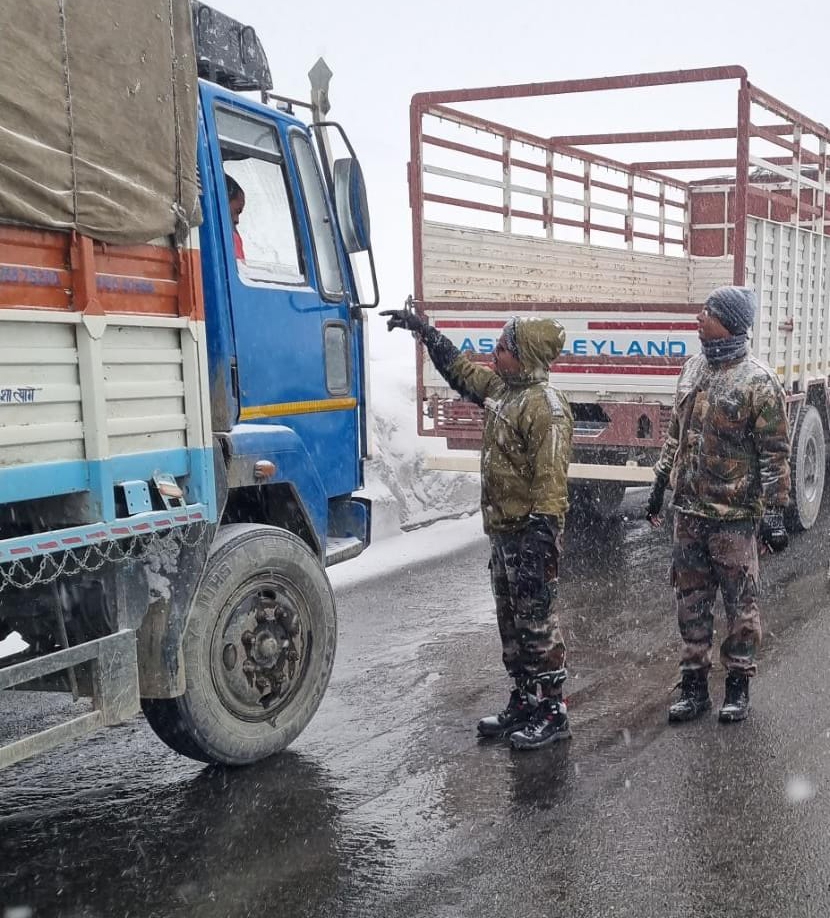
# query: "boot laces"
{"type": "Point", "coordinates": [543, 714]}
{"type": "Point", "coordinates": [690, 688]}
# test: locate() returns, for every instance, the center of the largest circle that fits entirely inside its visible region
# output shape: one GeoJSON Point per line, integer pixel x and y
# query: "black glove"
{"type": "Point", "coordinates": [655, 497]}
{"type": "Point", "coordinates": [405, 318]}
{"type": "Point", "coordinates": [773, 534]}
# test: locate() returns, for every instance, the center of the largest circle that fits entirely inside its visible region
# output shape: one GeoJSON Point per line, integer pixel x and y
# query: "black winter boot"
{"type": "Point", "coordinates": [694, 696]}
{"type": "Point", "coordinates": [736, 699]}
{"type": "Point", "coordinates": [548, 724]}
{"type": "Point", "coordinates": [513, 717]}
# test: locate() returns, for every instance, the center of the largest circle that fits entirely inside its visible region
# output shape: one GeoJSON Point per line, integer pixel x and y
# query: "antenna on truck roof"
{"type": "Point", "coordinates": [320, 77]}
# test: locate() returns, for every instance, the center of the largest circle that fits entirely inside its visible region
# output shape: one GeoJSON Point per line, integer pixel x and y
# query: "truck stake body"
{"type": "Point", "coordinates": [624, 252]}
{"type": "Point", "coordinates": [183, 416]}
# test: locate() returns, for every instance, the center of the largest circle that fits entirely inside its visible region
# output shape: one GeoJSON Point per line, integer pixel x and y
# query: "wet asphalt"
{"type": "Point", "coordinates": [389, 805]}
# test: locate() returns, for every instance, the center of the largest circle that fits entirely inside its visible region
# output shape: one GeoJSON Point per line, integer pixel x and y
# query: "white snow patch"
{"type": "Point", "coordinates": [403, 491]}
{"type": "Point", "coordinates": [161, 558]}
{"type": "Point", "coordinates": [14, 643]}
{"type": "Point", "coordinates": [409, 548]}
{"type": "Point", "coordinates": [799, 789]}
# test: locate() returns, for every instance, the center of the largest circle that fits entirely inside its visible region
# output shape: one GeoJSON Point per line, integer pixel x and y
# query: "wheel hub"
{"type": "Point", "coordinates": [260, 655]}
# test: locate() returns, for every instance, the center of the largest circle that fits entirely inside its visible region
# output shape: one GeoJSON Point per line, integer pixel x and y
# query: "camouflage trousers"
{"type": "Point", "coordinates": [707, 555]}
{"type": "Point", "coordinates": [525, 592]}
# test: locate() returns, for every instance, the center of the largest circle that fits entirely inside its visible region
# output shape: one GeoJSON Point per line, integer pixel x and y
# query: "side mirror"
{"type": "Point", "coordinates": [352, 205]}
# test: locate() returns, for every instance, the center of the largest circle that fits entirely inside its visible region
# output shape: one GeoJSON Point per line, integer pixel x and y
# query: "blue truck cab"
{"type": "Point", "coordinates": [284, 331]}
{"type": "Point", "coordinates": [197, 418]}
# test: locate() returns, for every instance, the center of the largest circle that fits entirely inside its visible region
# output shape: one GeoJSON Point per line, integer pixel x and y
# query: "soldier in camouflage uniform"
{"type": "Point", "coordinates": [726, 456]}
{"type": "Point", "coordinates": [524, 496]}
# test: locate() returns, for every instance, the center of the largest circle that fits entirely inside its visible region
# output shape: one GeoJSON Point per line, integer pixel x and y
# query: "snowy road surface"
{"type": "Point", "coordinates": [389, 805]}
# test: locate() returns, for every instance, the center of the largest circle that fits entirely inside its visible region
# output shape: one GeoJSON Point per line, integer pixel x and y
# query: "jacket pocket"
{"type": "Point", "coordinates": [722, 469]}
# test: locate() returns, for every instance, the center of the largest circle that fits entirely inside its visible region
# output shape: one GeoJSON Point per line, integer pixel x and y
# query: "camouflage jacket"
{"type": "Point", "coordinates": [727, 449]}
{"type": "Point", "coordinates": [527, 428]}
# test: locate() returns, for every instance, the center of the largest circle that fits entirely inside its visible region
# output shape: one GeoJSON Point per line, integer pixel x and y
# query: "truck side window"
{"type": "Point", "coordinates": [336, 346]}
{"type": "Point", "coordinates": [263, 227]}
{"type": "Point", "coordinates": [322, 231]}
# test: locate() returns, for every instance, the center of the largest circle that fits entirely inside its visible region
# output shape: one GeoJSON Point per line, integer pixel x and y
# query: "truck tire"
{"type": "Point", "coordinates": [599, 500]}
{"type": "Point", "coordinates": [807, 465]}
{"type": "Point", "coordinates": [258, 650]}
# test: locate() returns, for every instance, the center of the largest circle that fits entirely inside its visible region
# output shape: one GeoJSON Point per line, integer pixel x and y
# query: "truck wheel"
{"type": "Point", "coordinates": [807, 468]}
{"type": "Point", "coordinates": [599, 500]}
{"type": "Point", "coordinates": [258, 649]}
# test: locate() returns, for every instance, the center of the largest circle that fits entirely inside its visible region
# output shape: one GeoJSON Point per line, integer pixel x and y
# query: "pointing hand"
{"type": "Point", "coordinates": [404, 318]}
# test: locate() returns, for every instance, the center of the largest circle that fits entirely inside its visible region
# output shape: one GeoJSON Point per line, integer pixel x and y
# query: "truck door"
{"type": "Point", "coordinates": [288, 300]}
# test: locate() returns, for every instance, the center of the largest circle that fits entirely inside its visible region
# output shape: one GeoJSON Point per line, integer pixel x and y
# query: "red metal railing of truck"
{"type": "Point", "coordinates": [776, 168]}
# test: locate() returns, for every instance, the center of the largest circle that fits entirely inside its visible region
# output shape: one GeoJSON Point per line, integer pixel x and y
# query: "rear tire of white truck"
{"type": "Point", "coordinates": [807, 467]}
{"type": "Point", "coordinates": [258, 650]}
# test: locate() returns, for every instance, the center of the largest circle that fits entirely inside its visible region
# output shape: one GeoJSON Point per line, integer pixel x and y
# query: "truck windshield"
{"type": "Point", "coordinates": [263, 227]}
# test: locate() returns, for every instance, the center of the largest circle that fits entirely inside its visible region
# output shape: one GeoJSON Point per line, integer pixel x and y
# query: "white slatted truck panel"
{"type": "Point", "coordinates": [611, 352]}
{"type": "Point", "coordinates": [75, 387]}
{"type": "Point", "coordinates": [40, 395]}
{"type": "Point", "coordinates": [144, 388]}
{"type": "Point", "coordinates": [708, 273]}
{"type": "Point", "coordinates": [472, 264]}
{"type": "Point", "coordinates": [787, 267]}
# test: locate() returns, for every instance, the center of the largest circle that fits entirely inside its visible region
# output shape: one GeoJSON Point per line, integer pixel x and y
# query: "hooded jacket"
{"type": "Point", "coordinates": [528, 426]}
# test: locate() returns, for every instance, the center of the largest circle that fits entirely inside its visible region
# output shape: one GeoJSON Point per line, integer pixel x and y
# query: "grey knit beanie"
{"type": "Point", "coordinates": [733, 307]}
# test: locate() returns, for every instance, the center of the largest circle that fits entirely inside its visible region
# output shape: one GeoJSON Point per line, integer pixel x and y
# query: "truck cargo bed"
{"type": "Point", "coordinates": [620, 236]}
{"type": "Point", "coordinates": [103, 383]}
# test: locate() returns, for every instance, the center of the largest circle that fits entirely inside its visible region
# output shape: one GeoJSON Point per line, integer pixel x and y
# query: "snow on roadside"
{"type": "Point", "coordinates": [405, 549]}
{"type": "Point", "coordinates": [404, 492]}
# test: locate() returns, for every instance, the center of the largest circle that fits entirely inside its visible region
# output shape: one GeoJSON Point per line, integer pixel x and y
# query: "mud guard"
{"type": "Point", "coordinates": [159, 638]}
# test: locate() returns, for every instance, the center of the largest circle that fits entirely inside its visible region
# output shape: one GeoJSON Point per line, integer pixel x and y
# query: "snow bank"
{"type": "Point", "coordinates": [404, 492]}
{"type": "Point", "coordinates": [406, 549]}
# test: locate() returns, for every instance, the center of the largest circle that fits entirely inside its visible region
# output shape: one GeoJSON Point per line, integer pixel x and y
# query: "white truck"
{"type": "Point", "coordinates": [507, 221]}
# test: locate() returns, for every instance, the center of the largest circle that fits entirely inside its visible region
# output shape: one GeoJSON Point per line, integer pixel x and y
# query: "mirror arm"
{"type": "Point", "coordinates": [321, 126]}
{"type": "Point", "coordinates": [376, 299]}
{"type": "Point", "coordinates": [322, 145]}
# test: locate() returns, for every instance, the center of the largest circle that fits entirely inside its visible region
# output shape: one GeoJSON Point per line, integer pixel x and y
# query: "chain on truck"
{"type": "Point", "coordinates": [183, 416]}
{"type": "Point", "coordinates": [621, 236]}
